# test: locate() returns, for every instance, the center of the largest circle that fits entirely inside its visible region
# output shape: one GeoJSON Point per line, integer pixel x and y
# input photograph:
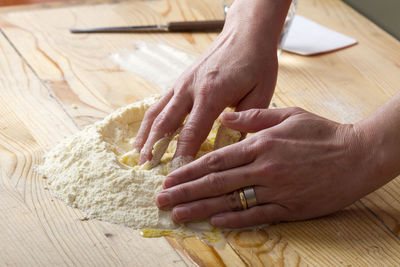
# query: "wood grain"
{"type": "Point", "coordinates": [77, 67]}
{"type": "Point", "coordinates": [37, 229]}
{"type": "Point", "coordinates": [44, 71]}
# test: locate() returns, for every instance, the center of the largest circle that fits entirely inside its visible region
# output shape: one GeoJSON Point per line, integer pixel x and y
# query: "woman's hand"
{"type": "Point", "coordinates": [238, 70]}
{"type": "Point", "coordinates": [300, 165]}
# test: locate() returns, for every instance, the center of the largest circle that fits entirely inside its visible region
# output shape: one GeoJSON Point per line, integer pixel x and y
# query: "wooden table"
{"type": "Point", "coordinates": [45, 73]}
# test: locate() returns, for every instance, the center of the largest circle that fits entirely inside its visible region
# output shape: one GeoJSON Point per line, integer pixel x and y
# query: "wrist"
{"type": "Point", "coordinates": [382, 152]}
{"type": "Point", "coordinates": [260, 20]}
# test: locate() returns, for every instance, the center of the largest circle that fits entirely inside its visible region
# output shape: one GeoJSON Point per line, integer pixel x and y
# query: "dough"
{"type": "Point", "coordinates": [96, 170]}
{"type": "Point", "coordinates": [226, 136]}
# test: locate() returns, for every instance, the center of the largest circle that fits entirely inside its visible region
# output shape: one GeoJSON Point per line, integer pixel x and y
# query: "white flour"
{"type": "Point", "coordinates": [96, 171]}
{"type": "Point", "coordinates": [84, 171]}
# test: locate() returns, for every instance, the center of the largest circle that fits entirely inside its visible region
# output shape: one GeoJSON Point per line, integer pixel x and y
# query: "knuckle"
{"type": "Point", "coordinates": [181, 95]}
{"type": "Point", "coordinates": [254, 113]}
{"type": "Point", "coordinates": [183, 192]}
{"type": "Point", "coordinates": [210, 81]}
{"type": "Point", "coordinates": [204, 99]}
{"type": "Point", "coordinates": [264, 216]}
{"type": "Point", "coordinates": [295, 209]}
{"type": "Point", "coordinates": [266, 141]}
{"type": "Point", "coordinates": [187, 135]}
{"type": "Point", "coordinates": [272, 170]}
{"type": "Point", "coordinates": [161, 123]}
{"type": "Point", "coordinates": [215, 183]}
{"type": "Point", "coordinates": [295, 110]}
{"type": "Point", "coordinates": [139, 141]}
{"type": "Point", "coordinates": [260, 143]}
{"type": "Point", "coordinates": [175, 106]}
{"type": "Point", "coordinates": [183, 81]}
{"type": "Point", "coordinates": [240, 221]}
{"type": "Point", "coordinates": [232, 201]}
{"type": "Point", "coordinates": [276, 168]}
{"type": "Point", "coordinates": [251, 143]}
{"type": "Point", "coordinates": [247, 147]}
{"type": "Point", "coordinates": [212, 161]}
{"type": "Point", "coordinates": [207, 103]}
{"type": "Point", "coordinates": [262, 169]}
{"type": "Point", "coordinates": [180, 86]}
{"type": "Point", "coordinates": [151, 112]}
{"type": "Point", "coordinates": [146, 151]}
{"type": "Point", "coordinates": [201, 209]}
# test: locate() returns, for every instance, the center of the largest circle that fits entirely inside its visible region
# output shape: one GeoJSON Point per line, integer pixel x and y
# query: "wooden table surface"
{"type": "Point", "coordinates": [45, 73]}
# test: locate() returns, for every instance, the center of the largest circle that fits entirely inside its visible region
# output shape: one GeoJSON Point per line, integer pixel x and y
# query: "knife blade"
{"type": "Point", "coordinates": [181, 26]}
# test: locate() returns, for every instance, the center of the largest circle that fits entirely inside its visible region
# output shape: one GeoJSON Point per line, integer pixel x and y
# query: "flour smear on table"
{"type": "Point", "coordinates": [159, 63]}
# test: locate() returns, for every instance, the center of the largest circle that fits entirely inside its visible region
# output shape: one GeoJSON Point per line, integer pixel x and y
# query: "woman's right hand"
{"type": "Point", "coordinates": [238, 70]}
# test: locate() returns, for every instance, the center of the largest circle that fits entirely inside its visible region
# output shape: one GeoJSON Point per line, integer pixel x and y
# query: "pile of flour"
{"type": "Point", "coordinates": [91, 171]}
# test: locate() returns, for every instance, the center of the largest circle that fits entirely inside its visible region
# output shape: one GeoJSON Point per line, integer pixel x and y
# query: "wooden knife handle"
{"type": "Point", "coordinates": [196, 26]}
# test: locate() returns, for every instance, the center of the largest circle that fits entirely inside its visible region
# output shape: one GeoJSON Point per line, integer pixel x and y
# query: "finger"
{"type": "Point", "coordinates": [228, 157]}
{"type": "Point", "coordinates": [211, 185]}
{"type": "Point", "coordinates": [166, 123]}
{"type": "Point", "coordinates": [148, 119]}
{"type": "Point", "coordinates": [196, 129]}
{"type": "Point", "coordinates": [259, 97]}
{"type": "Point", "coordinates": [205, 208]}
{"type": "Point", "coordinates": [256, 98]}
{"type": "Point", "coordinates": [254, 120]}
{"type": "Point", "coordinates": [257, 215]}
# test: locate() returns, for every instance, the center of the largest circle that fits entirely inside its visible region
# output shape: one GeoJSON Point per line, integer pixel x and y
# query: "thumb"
{"type": "Point", "coordinates": [254, 120]}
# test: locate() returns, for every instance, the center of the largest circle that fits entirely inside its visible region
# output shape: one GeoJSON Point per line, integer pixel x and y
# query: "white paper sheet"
{"type": "Point", "coordinates": [307, 37]}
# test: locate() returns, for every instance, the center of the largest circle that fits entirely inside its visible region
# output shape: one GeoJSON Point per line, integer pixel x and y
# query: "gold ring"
{"type": "Point", "coordinates": [249, 196]}
{"type": "Point", "coordinates": [243, 199]}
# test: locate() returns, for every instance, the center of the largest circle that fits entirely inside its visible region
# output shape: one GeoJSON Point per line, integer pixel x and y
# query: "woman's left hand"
{"type": "Point", "coordinates": [300, 165]}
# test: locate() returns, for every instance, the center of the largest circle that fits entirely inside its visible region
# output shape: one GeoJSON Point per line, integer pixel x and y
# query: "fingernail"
{"type": "Point", "coordinates": [231, 116]}
{"type": "Point", "coordinates": [163, 200]}
{"type": "Point", "coordinates": [218, 221]}
{"type": "Point", "coordinates": [168, 182]}
{"type": "Point", "coordinates": [142, 160]}
{"type": "Point", "coordinates": [181, 213]}
{"type": "Point", "coordinates": [143, 156]}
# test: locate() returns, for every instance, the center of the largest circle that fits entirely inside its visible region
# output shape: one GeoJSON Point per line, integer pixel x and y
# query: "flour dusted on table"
{"type": "Point", "coordinates": [96, 171]}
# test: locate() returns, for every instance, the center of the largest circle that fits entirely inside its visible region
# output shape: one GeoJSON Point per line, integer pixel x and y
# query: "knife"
{"type": "Point", "coordinates": [183, 26]}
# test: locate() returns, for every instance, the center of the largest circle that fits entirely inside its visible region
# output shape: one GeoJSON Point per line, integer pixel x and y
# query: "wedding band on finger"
{"type": "Point", "coordinates": [249, 196]}
{"type": "Point", "coordinates": [242, 199]}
